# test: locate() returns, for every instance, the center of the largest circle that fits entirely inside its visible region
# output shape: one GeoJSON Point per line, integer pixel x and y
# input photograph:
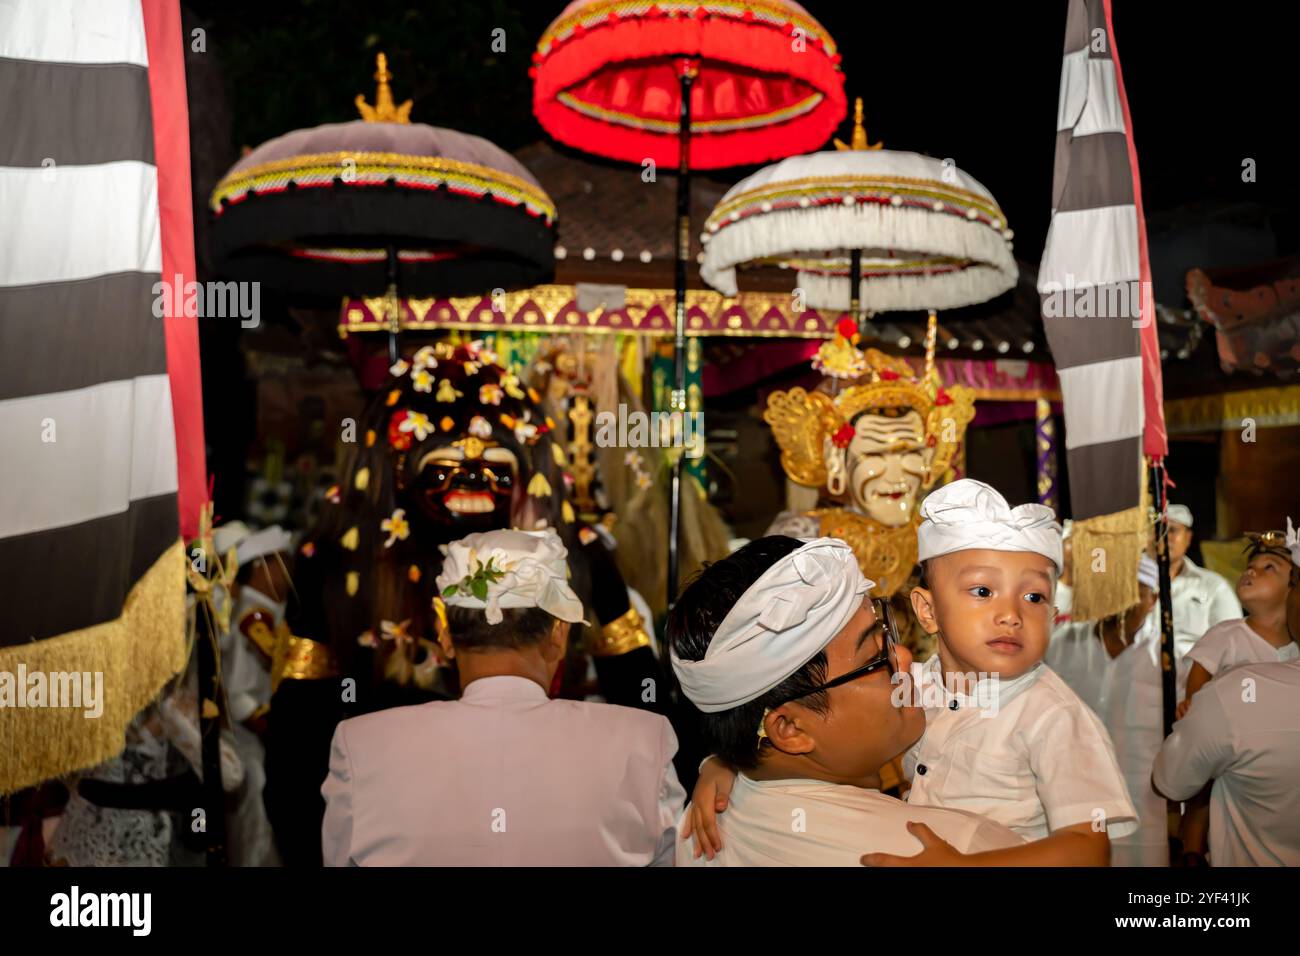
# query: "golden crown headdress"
{"type": "Point", "coordinates": [802, 421]}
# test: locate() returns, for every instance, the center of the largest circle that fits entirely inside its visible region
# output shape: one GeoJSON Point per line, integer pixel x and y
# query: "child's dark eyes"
{"type": "Point", "coordinates": [1034, 597]}
{"type": "Point", "coordinates": [981, 591]}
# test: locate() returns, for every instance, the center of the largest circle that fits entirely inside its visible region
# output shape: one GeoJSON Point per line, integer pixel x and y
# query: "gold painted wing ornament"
{"type": "Point", "coordinates": [801, 421]}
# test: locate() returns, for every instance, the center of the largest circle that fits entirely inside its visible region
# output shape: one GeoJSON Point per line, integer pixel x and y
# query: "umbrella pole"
{"type": "Point", "coordinates": [214, 794]}
{"type": "Point", "coordinates": [1169, 685]}
{"type": "Point", "coordinates": [855, 284]}
{"type": "Point", "coordinates": [394, 308]}
{"type": "Point", "coordinates": [685, 77]}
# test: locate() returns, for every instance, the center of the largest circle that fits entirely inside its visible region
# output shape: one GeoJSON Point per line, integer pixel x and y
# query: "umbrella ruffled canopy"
{"type": "Point", "coordinates": [931, 236]}
{"type": "Point", "coordinates": [769, 82]}
{"type": "Point", "coordinates": [315, 211]}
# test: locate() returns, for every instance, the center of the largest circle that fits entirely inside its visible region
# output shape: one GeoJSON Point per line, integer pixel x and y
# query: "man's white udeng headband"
{"type": "Point", "coordinates": [779, 624]}
{"type": "Point", "coordinates": [533, 573]}
{"type": "Point", "coordinates": [969, 514]}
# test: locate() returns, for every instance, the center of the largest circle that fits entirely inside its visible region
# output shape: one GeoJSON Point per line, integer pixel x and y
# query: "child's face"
{"type": "Point", "coordinates": [992, 609]}
{"type": "Point", "coordinates": [1264, 583]}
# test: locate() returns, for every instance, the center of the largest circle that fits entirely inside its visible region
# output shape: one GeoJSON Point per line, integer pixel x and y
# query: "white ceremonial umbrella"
{"type": "Point", "coordinates": [923, 233]}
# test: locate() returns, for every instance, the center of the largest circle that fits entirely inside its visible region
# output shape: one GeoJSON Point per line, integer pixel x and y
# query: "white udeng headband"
{"type": "Point", "coordinates": [969, 514]}
{"type": "Point", "coordinates": [779, 624]}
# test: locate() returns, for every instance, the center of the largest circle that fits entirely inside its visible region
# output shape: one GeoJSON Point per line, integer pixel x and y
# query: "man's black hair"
{"type": "Point", "coordinates": [733, 734]}
{"type": "Point", "coordinates": [520, 627]}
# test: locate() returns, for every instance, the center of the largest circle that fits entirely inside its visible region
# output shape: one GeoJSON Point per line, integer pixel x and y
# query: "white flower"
{"type": "Point", "coordinates": [397, 527]}
{"type": "Point", "coordinates": [417, 422]}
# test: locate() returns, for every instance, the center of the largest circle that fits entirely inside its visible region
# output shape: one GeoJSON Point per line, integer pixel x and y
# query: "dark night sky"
{"type": "Point", "coordinates": [1208, 84]}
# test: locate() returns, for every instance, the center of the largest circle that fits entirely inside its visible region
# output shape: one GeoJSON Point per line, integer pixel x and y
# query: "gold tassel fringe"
{"type": "Point", "coordinates": [137, 653]}
{"type": "Point", "coordinates": [1105, 552]}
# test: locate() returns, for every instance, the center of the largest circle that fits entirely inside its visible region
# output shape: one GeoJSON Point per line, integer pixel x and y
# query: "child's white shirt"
{"type": "Point", "coordinates": [1026, 753]}
{"type": "Point", "coordinates": [1233, 643]}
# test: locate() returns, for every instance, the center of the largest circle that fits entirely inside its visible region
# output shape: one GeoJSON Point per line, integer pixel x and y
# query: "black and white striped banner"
{"type": "Point", "coordinates": [88, 470]}
{"type": "Point", "coordinates": [1094, 277]}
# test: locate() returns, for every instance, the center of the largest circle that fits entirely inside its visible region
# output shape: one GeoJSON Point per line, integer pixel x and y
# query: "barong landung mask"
{"type": "Point", "coordinates": [875, 444]}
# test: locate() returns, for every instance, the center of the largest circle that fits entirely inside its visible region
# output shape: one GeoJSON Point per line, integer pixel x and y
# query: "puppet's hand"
{"type": "Point", "coordinates": [934, 851]}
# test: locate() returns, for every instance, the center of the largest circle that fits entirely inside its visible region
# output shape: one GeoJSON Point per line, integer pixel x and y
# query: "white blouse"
{"type": "Point", "coordinates": [1233, 643]}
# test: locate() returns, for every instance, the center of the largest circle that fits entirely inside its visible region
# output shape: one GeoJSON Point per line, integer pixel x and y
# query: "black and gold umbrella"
{"type": "Point", "coordinates": [378, 204]}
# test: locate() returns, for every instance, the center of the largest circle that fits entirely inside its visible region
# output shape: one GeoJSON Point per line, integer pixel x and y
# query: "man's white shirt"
{"type": "Point", "coordinates": [814, 823]}
{"type": "Point", "coordinates": [1243, 732]}
{"type": "Point", "coordinates": [502, 777]}
{"type": "Point", "coordinates": [1126, 693]}
{"type": "Point", "coordinates": [1041, 762]}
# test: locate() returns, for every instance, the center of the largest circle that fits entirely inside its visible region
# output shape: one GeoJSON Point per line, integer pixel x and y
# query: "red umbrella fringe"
{"type": "Point", "coordinates": [719, 41]}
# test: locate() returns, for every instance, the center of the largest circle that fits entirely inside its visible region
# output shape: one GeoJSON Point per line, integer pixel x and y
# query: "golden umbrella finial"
{"type": "Point", "coordinates": [384, 110]}
{"type": "Point", "coordinates": [859, 141]}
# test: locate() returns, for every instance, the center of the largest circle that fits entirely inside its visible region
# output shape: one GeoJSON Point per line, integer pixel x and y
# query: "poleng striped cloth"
{"type": "Point", "coordinates": [101, 434]}
{"type": "Point", "coordinates": [1098, 312]}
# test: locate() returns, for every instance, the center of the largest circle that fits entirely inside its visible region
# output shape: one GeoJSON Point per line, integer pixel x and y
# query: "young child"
{"type": "Point", "coordinates": [1037, 760]}
{"type": "Point", "coordinates": [1264, 590]}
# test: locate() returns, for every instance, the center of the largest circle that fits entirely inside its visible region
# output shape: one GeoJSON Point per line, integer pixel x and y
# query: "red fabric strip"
{"type": "Point", "coordinates": [171, 137]}
{"type": "Point", "coordinates": [1155, 441]}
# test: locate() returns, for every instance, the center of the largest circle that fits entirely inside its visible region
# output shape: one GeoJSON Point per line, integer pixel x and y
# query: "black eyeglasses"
{"type": "Point", "coordinates": [886, 657]}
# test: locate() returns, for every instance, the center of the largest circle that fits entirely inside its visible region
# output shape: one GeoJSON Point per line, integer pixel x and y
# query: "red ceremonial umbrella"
{"type": "Point", "coordinates": [705, 84]}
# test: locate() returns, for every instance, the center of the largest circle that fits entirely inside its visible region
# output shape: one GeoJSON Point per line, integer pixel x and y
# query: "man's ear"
{"type": "Point", "coordinates": [923, 608]}
{"type": "Point", "coordinates": [785, 729]}
{"type": "Point", "coordinates": [557, 642]}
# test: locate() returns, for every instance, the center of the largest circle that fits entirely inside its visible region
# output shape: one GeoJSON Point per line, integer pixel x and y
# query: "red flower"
{"type": "Point", "coordinates": [931, 441]}
{"type": "Point", "coordinates": [888, 375]}
{"type": "Point", "coordinates": [843, 436]}
{"type": "Point", "coordinates": [847, 328]}
{"type": "Point", "coordinates": [396, 437]}
{"type": "Point", "coordinates": [942, 398]}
